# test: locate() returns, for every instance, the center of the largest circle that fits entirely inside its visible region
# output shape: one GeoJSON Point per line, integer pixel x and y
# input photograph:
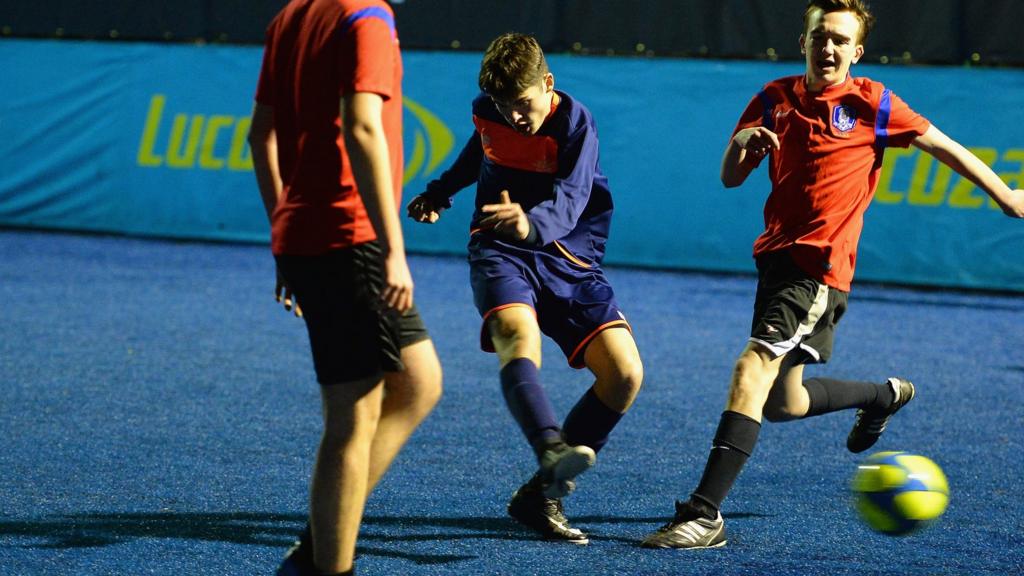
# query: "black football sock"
{"type": "Point", "coordinates": [829, 395]}
{"type": "Point", "coordinates": [590, 422]}
{"type": "Point", "coordinates": [733, 444]}
{"type": "Point", "coordinates": [529, 405]}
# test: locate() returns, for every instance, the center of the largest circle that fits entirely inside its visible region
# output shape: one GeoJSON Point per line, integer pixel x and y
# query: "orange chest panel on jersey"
{"type": "Point", "coordinates": [504, 146]}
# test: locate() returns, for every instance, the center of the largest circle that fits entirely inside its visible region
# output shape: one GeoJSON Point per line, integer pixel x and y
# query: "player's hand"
{"type": "Point", "coordinates": [506, 219]}
{"type": "Point", "coordinates": [283, 294]}
{"type": "Point", "coordinates": [423, 210]}
{"type": "Point", "coordinates": [397, 292]}
{"type": "Point", "coordinates": [1014, 206]}
{"type": "Point", "coordinates": [757, 141]}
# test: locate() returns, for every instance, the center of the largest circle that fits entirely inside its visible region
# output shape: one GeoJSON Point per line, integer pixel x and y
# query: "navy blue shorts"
{"type": "Point", "coordinates": [351, 334]}
{"type": "Point", "coordinates": [571, 298]}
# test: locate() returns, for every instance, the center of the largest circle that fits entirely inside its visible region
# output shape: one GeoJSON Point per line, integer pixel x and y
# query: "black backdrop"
{"type": "Point", "coordinates": [922, 31]}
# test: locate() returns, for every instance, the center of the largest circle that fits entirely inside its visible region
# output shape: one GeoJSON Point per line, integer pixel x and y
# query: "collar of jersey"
{"type": "Point", "coordinates": [828, 91]}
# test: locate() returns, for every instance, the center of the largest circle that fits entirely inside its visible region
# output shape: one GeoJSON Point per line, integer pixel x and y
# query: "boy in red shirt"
{"type": "Point", "coordinates": [824, 134]}
{"type": "Point", "coordinates": [326, 142]}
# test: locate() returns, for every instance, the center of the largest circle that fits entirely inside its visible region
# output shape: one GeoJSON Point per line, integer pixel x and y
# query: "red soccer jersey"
{"type": "Point", "coordinates": [826, 170]}
{"type": "Point", "coordinates": [318, 51]}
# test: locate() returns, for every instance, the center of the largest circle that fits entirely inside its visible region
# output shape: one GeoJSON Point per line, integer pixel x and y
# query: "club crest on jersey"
{"type": "Point", "coordinates": [844, 118]}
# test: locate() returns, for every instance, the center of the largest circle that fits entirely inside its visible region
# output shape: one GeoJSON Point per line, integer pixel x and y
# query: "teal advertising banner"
{"type": "Point", "coordinates": [149, 139]}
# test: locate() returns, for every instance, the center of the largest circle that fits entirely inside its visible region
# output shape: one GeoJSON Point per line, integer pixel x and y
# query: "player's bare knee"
{"type": "Point", "coordinates": [513, 339]}
{"type": "Point", "coordinates": [428, 384]}
{"type": "Point", "coordinates": [342, 431]}
{"type": "Point", "coordinates": [508, 326]}
{"type": "Point", "coordinates": [422, 398]}
{"type": "Point", "coordinates": [351, 409]}
{"type": "Point", "coordinates": [630, 377]}
{"type": "Point", "coordinates": [619, 384]}
{"type": "Point", "coordinates": [747, 375]}
{"type": "Point", "coordinates": [419, 385]}
{"type": "Point", "coordinates": [415, 394]}
{"type": "Point", "coordinates": [749, 382]}
{"type": "Point", "coordinates": [428, 394]}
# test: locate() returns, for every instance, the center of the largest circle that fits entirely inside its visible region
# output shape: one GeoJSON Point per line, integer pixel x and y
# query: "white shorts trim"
{"type": "Point", "coordinates": [806, 326]}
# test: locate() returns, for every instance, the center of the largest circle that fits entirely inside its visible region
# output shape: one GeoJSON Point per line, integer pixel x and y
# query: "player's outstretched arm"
{"type": "Point", "coordinates": [744, 153]}
{"type": "Point", "coordinates": [960, 159]}
{"type": "Point", "coordinates": [427, 207]}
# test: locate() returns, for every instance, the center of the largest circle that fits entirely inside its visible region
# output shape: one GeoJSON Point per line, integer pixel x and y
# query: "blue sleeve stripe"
{"type": "Point", "coordinates": [767, 120]}
{"type": "Point", "coordinates": [372, 12]}
{"type": "Point", "coordinates": [882, 119]}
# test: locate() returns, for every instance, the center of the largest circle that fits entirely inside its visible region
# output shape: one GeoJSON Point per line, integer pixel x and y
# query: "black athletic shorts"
{"type": "Point", "coordinates": [353, 336]}
{"type": "Point", "coordinates": [794, 312]}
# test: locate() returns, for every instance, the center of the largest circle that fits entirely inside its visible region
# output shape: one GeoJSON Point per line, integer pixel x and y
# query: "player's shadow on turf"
{"type": "Point", "coordinates": [279, 530]}
{"type": "Point", "coordinates": [90, 530]}
{"type": "Point", "coordinates": [261, 529]}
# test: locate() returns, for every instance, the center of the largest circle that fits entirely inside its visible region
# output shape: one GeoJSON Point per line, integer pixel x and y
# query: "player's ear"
{"type": "Point", "coordinates": [549, 82]}
{"type": "Point", "coordinates": [803, 49]}
{"type": "Point", "coordinates": [857, 53]}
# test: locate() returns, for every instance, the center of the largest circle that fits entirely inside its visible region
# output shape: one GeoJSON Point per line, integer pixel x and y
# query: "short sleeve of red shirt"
{"type": "Point", "coordinates": [897, 125]}
{"type": "Point", "coordinates": [752, 116]}
{"type": "Point", "coordinates": [366, 65]}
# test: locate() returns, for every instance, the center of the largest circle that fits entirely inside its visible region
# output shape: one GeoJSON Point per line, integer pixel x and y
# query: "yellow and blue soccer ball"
{"type": "Point", "coordinates": [898, 493]}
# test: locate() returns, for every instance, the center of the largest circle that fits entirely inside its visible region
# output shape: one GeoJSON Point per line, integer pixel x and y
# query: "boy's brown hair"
{"type": "Point", "coordinates": [511, 65]}
{"type": "Point", "coordinates": [859, 8]}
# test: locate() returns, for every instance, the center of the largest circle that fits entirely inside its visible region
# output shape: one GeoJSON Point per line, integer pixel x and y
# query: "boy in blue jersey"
{"type": "Point", "coordinates": [537, 238]}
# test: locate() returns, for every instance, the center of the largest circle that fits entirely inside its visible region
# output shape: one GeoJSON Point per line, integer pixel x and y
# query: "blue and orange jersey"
{"type": "Point", "coordinates": [826, 169]}
{"type": "Point", "coordinates": [554, 174]}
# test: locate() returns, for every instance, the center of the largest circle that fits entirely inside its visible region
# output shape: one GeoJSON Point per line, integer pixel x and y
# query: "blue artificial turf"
{"type": "Point", "coordinates": [158, 415]}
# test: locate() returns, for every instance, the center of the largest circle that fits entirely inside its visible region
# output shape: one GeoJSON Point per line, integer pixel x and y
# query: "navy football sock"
{"type": "Point", "coordinates": [829, 395]}
{"type": "Point", "coordinates": [589, 422]}
{"type": "Point", "coordinates": [529, 405]}
{"type": "Point", "coordinates": [733, 444]}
